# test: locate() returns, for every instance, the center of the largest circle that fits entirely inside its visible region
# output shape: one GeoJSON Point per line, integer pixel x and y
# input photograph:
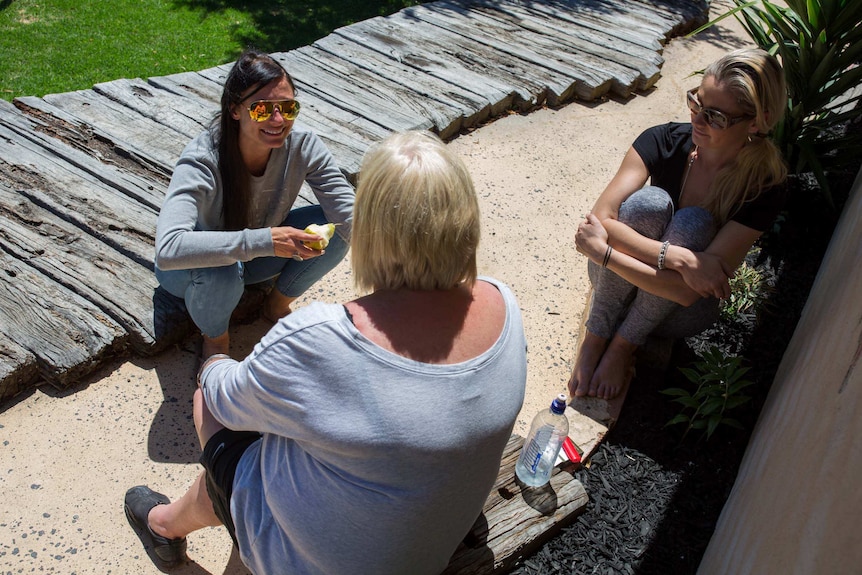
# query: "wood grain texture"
{"type": "Point", "coordinates": [516, 520]}
{"type": "Point", "coordinates": [67, 334]}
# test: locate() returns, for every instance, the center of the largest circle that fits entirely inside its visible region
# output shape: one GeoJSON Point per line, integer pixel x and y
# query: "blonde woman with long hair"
{"type": "Point", "coordinates": [661, 256]}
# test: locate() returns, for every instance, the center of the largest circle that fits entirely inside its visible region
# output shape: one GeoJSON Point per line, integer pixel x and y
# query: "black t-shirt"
{"type": "Point", "coordinates": [664, 150]}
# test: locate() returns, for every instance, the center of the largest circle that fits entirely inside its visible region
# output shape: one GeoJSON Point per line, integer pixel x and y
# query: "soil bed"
{"type": "Point", "coordinates": [655, 496]}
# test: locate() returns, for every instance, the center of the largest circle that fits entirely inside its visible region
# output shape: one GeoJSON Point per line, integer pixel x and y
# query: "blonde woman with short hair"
{"type": "Point", "coordinates": [369, 434]}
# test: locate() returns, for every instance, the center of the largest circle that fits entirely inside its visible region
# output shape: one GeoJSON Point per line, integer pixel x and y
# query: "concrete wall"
{"type": "Point", "coordinates": [797, 501]}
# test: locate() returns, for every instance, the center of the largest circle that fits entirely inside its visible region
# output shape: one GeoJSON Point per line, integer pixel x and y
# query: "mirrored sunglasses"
{"type": "Point", "coordinates": [715, 118]}
{"type": "Point", "coordinates": [262, 110]}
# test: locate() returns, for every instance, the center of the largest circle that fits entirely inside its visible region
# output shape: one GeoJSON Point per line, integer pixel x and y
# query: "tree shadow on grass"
{"type": "Point", "coordinates": [283, 25]}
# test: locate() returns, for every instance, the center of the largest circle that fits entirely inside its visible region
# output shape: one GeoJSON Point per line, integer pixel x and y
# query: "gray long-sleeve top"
{"type": "Point", "coordinates": [190, 231]}
{"type": "Point", "coordinates": [370, 462]}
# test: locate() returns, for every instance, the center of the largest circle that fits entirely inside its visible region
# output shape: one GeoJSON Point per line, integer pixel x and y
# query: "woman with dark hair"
{"type": "Point", "coordinates": [661, 255]}
{"type": "Point", "coordinates": [228, 219]}
{"type": "Point", "coordinates": [363, 437]}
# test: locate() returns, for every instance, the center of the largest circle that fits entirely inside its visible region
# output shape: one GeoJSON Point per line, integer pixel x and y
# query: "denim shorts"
{"type": "Point", "coordinates": [220, 458]}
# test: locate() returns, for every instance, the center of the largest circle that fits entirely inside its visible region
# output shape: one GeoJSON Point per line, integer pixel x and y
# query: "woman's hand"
{"type": "Point", "coordinates": [592, 239]}
{"type": "Point", "coordinates": [287, 243]}
{"type": "Point", "coordinates": [707, 274]}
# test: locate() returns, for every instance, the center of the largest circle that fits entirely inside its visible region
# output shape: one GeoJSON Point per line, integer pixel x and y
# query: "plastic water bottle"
{"type": "Point", "coordinates": [549, 429]}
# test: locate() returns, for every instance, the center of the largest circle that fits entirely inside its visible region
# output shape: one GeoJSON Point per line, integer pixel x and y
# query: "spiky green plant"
{"type": "Point", "coordinates": [719, 385]}
{"type": "Point", "coordinates": [748, 290]}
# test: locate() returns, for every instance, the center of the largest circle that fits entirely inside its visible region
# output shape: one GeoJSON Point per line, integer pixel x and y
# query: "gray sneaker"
{"type": "Point", "coordinates": [139, 501]}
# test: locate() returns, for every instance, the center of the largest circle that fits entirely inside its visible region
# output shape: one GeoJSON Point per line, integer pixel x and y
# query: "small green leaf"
{"type": "Point", "coordinates": [677, 419]}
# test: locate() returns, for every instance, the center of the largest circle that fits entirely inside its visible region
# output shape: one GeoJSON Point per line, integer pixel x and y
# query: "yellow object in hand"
{"type": "Point", "coordinates": [325, 231]}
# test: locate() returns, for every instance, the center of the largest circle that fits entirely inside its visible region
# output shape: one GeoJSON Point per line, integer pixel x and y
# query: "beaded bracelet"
{"type": "Point", "coordinates": [607, 256]}
{"type": "Point", "coordinates": [662, 254]}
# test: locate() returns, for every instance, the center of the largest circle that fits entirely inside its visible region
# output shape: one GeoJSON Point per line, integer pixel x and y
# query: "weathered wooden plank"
{"type": "Point", "coordinates": [218, 74]}
{"type": "Point", "coordinates": [162, 162]}
{"type": "Point", "coordinates": [516, 520]}
{"type": "Point", "coordinates": [629, 71]}
{"type": "Point", "coordinates": [18, 369]}
{"type": "Point", "coordinates": [531, 86]}
{"type": "Point", "coordinates": [189, 84]}
{"type": "Point", "coordinates": [347, 147]}
{"type": "Point", "coordinates": [445, 56]}
{"type": "Point", "coordinates": [62, 252]}
{"type": "Point", "coordinates": [556, 52]}
{"type": "Point", "coordinates": [162, 143]}
{"type": "Point", "coordinates": [686, 14]}
{"type": "Point", "coordinates": [76, 196]}
{"type": "Point", "coordinates": [345, 133]}
{"type": "Point", "coordinates": [651, 13]}
{"type": "Point", "coordinates": [473, 107]}
{"type": "Point", "coordinates": [158, 140]}
{"type": "Point", "coordinates": [185, 115]}
{"type": "Point", "coordinates": [88, 154]}
{"type": "Point", "coordinates": [68, 335]}
{"type": "Point", "coordinates": [590, 80]}
{"type": "Point", "coordinates": [344, 81]}
{"type": "Point", "coordinates": [580, 15]}
{"type": "Point", "coordinates": [580, 27]}
{"type": "Point", "coordinates": [371, 101]}
{"type": "Point", "coordinates": [626, 13]}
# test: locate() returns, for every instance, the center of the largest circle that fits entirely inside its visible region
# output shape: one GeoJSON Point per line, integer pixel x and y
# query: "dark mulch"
{"type": "Point", "coordinates": [655, 496]}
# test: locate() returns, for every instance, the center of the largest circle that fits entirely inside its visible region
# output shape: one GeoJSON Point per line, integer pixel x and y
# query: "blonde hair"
{"type": "Point", "coordinates": [416, 217]}
{"type": "Point", "coordinates": [757, 80]}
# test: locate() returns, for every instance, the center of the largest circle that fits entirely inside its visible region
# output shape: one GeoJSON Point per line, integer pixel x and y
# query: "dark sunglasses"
{"type": "Point", "coordinates": [262, 110]}
{"type": "Point", "coordinates": [715, 118]}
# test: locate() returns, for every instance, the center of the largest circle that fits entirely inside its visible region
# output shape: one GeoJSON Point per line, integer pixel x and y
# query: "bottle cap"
{"type": "Point", "coordinates": [558, 406]}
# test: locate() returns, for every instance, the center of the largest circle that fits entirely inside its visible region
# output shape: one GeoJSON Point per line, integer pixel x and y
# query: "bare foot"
{"type": "Point", "coordinates": [615, 370]}
{"type": "Point", "coordinates": [215, 345]}
{"type": "Point", "coordinates": [589, 355]}
{"type": "Point", "coordinates": [277, 305]}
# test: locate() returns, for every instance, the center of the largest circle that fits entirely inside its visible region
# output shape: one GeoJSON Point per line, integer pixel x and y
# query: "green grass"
{"type": "Point", "coordinates": [55, 46]}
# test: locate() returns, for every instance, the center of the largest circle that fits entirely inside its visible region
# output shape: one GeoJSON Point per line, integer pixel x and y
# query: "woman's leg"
{"type": "Point", "coordinates": [194, 510]}
{"type": "Point", "coordinates": [210, 295]}
{"type": "Point", "coordinates": [295, 277]}
{"type": "Point", "coordinates": [647, 211]}
{"type": "Point", "coordinates": [693, 228]}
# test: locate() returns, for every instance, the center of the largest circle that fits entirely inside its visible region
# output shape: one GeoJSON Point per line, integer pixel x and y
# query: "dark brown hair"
{"type": "Point", "coordinates": [252, 71]}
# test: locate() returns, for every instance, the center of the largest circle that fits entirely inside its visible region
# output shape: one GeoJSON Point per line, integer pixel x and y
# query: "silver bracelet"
{"type": "Point", "coordinates": [662, 254]}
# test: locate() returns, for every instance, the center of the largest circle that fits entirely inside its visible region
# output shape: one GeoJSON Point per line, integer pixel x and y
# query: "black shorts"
{"type": "Point", "coordinates": [220, 457]}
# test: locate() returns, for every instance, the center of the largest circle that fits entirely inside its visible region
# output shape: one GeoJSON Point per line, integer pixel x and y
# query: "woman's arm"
{"type": "Point", "coordinates": [708, 272]}
{"type": "Point", "coordinates": [592, 241]}
{"type": "Point", "coordinates": [331, 188]}
{"type": "Point", "coordinates": [687, 276]}
{"type": "Point", "coordinates": [188, 229]}
{"type": "Point", "coordinates": [692, 274]}
{"type": "Point", "coordinates": [630, 177]}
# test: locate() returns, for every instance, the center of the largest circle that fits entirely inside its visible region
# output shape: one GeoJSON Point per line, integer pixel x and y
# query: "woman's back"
{"type": "Point", "coordinates": [432, 326]}
{"type": "Point", "coordinates": [376, 462]}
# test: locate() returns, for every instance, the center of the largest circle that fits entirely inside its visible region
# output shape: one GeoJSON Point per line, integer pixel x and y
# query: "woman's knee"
{"type": "Point", "coordinates": [692, 227]}
{"type": "Point", "coordinates": [212, 295]}
{"type": "Point", "coordinates": [647, 211]}
{"type": "Point", "coordinates": [205, 424]}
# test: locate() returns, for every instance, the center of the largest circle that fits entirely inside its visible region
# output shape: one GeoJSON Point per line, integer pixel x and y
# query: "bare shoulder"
{"type": "Point", "coordinates": [445, 326]}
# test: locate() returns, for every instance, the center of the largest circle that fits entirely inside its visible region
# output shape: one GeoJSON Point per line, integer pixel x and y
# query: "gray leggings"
{"type": "Point", "coordinates": [620, 307]}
